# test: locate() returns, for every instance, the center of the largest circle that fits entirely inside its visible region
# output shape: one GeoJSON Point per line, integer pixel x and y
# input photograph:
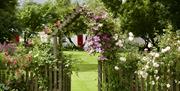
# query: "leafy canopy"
{"type": "Point", "coordinates": [8, 20]}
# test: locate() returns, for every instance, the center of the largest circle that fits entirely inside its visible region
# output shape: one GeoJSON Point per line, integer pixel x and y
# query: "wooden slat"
{"type": "Point", "coordinates": [32, 82]}
{"type": "Point", "coordinates": [148, 85]}
{"type": "Point", "coordinates": [153, 85]}
{"type": "Point", "coordinates": [46, 74]}
{"type": "Point", "coordinates": [177, 85]}
{"type": "Point", "coordinates": [133, 84]}
{"type": "Point", "coordinates": [137, 83]}
{"type": "Point", "coordinates": [50, 80]}
{"type": "Point", "coordinates": [55, 79]}
{"type": "Point", "coordinates": [104, 66]}
{"type": "Point", "coordinates": [36, 85]}
{"type": "Point", "coordinates": [60, 79]}
{"type": "Point", "coordinates": [99, 76]}
{"type": "Point", "coordinates": [64, 81]}
{"type": "Point", "coordinates": [69, 83]}
{"type": "Point", "coordinates": [142, 84]}
{"type": "Point", "coordinates": [27, 80]}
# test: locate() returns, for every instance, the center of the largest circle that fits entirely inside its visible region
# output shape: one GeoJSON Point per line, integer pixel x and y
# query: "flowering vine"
{"type": "Point", "coordinates": [101, 39]}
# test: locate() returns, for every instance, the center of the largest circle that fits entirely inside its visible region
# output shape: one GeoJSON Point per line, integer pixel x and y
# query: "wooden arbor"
{"type": "Point", "coordinates": [57, 37]}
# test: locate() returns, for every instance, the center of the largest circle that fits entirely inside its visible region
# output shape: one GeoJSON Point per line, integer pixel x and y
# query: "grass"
{"type": "Point", "coordinates": [86, 78]}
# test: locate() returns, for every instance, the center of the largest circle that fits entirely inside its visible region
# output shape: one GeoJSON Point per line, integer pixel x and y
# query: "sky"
{"type": "Point", "coordinates": [42, 1]}
{"type": "Point", "coordinates": [39, 1]}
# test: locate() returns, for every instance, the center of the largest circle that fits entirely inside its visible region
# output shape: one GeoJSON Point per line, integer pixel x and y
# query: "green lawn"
{"type": "Point", "coordinates": [86, 78]}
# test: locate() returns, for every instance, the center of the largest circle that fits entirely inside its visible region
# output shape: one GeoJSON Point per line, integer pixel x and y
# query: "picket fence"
{"type": "Point", "coordinates": [52, 76]}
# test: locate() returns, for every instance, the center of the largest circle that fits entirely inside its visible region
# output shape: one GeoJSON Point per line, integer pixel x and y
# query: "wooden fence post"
{"type": "Point", "coordinates": [61, 61]}
{"type": "Point", "coordinates": [58, 56]}
{"type": "Point", "coordinates": [99, 76]}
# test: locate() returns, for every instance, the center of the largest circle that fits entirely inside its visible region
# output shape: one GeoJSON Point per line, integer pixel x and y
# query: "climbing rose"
{"type": "Point", "coordinates": [166, 49]}
{"type": "Point", "coordinates": [116, 68]}
{"type": "Point", "coordinates": [150, 45]}
{"type": "Point", "coordinates": [168, 85]}
{"type": "Point", "coordinates": [131, 36]}
{"type": "Point", "coordinates": [123, 59]}
{"type": "Point", "coordinates": [119, 43]}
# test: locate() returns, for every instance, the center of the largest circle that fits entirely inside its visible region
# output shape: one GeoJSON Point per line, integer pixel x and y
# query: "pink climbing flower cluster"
{"type": "Point", "coordinates": [100, 41]}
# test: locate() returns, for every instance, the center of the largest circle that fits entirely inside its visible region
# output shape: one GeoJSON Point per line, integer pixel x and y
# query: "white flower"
{"type": "Point", "coordinates": [156, 55]}
{"type": "Point", "coordinates": [116, 68]}
{"type": "Point", "coordinates": [146, 67]}
{"type": "Point", "coordinates": [100, 25]}
{"type": "Point", "coordinates": [178, 41]}
{"type": "Point", "coordinates": [131, 38]}
{"type": "Point", "coordinates": [152, 82]}
{"type": "Point", "coordinates": [163, 50]}
{"type": "Point", "coordinates": [166, 49]}
{"type": "Point", "coordinates": [131, 34]}
{"type": "Point", "coordinates": [30, 52]}
{"type": "Point", "coordinates": [143, 74]}
{"type": "Point", "coordinates": [156, 71]}
{"type": "Point", "coordinates": [67, 65]}
{"type": "Point", "coordinates": [178, 82]}
{"type": "Point", "coordinates": [145, 49]}
{"type": "Point", "coordinates": [155, 64]}
{"type": "Point", "coordinates": [119, 43]}
{"type": "Point", "coordinates": [115, 36]}
{"type": "Point", "coordinates": [179, 49]}
{"type": "Point", "coordinates": [123, 1]}
{"type": "Point", "coordinates": [123, 59]}
{"type": "Point", "coordinates": [157, 78]}
{"type": "Point", "coordinates": [175, 81]}
{"type": "Point", "coordinates": [150, 45]}
{"type": "Point", "coordinates": [168, 85]}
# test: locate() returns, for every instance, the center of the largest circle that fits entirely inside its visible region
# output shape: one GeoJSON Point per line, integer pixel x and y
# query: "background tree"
{"type": "Point", "coordinates": [145, 18]}
{"type": "Point", "coordinates": [173, 12]}
{"type": "Point", "coordinates": [34, 16]}
{"type": "Point", "coordinates": [8, 20]}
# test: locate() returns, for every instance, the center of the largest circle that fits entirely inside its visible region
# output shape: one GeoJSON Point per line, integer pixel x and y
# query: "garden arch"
{"type": "Point", "coordinates": [97, 25]}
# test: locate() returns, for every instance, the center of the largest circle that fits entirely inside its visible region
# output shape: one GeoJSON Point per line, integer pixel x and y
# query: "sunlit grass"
{"type": "Point", "coordinates": [86, 78]}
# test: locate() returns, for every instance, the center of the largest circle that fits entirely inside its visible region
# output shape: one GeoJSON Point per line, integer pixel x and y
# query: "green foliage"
{"type": "Point", "coordinates": [8, 20]}
{"type": "Point", "coordinates": [173, 14]}
{"type": "Point", "coordinates": [3, 87]}
{"type": "Point", "coordinates": [78, 26]}
{"type": "Point", "coordinates": [114, 6]}
{"type": "Point", "coordinates": [143, 17]}
{"type": "Point", "coordinates": [35, 16]}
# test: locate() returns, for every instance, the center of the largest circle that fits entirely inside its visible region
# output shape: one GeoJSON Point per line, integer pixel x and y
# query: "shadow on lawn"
{"type": "Point", "coordinates": [87, 67]}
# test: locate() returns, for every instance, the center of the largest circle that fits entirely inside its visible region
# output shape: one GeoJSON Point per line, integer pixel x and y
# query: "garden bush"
{"type": "Point", "coordinates": [32, 60]}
